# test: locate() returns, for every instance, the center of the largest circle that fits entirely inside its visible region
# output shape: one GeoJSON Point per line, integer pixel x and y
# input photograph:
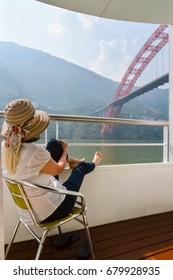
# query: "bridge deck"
{"type": "Point", "coordinates": [149, 237]}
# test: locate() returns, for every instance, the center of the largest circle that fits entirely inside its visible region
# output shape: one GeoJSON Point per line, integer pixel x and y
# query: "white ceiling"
{"type": "Point", "coordinates": [148, 11]}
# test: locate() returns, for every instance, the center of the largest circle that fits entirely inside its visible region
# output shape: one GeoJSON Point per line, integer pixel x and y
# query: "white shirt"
{"type": "Point", "coordinates": [32, 157]}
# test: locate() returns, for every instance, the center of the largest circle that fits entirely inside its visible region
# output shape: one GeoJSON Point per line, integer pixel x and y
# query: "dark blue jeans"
{"type": "Point", "coordinates": [73, 183]}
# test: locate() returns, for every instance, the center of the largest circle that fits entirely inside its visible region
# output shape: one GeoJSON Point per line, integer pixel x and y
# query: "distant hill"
{"type": "Point", "coordinates": [51, 82]}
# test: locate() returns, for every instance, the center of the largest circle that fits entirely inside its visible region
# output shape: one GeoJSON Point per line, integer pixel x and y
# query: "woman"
{"type": "Point", "coordinates": [23, 159]}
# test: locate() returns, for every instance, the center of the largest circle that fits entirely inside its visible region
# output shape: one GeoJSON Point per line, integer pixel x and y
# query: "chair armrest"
{"type": "Point", "coordinates": [51, 189]}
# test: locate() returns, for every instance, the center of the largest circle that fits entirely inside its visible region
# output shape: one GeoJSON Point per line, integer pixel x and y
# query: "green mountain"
{"type": "Point", "coordinates": [51, 82]}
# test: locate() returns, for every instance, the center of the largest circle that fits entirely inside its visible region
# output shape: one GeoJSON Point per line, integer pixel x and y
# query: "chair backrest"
{"type": "Point", "coordinates": [20, 199]}
{"type": "Point", "coordinates": [16, 194]}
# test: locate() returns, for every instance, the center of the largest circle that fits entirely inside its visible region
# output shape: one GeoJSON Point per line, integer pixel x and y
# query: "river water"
{"type": "Point", "coordinates": [120, 154]}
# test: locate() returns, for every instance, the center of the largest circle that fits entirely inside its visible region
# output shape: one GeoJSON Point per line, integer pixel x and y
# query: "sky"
{"type": "Point", "coordinates": [104, 46]}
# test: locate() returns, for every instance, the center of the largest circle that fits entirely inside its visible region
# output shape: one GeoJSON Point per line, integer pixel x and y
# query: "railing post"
{"type": "Point", "coordinates": [170, 109]}
{"type": "Point", "coordinates": [165, 144]}
{"type": "Point", "coordinates": [45, 135]}
{"type": "Point", "coordinates": [57, 130]}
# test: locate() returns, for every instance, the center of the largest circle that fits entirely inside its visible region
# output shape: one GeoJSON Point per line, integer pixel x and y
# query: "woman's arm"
{"type": "Point", "coordinates": [55, 168]}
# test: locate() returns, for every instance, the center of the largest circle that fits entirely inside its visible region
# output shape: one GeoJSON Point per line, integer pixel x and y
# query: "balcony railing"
{"type": "Point", "coordinates": [100, 120]}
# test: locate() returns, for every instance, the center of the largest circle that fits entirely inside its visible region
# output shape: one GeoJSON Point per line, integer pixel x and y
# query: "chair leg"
{"type": "Point", "coordinates": [88, 235]}
{"type": "Point", "coordinates": [41, 244]}
{"type": "Point", "coordinates": [12, 238]}
{"type": "Point", "coordinates": [60, 230]}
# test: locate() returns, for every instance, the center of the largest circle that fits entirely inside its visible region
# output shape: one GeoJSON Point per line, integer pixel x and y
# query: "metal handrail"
{"type": "Point", "coordinates": [74, 118]}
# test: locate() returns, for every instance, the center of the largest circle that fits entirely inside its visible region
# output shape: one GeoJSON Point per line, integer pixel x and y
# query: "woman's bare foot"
{"type": "Point", "coordinates": [97, 158]}
{"type": "Point", "coordinates": [73, 162]}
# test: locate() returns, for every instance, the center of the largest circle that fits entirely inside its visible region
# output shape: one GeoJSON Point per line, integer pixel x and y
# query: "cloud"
{"type": "Point", "coordinates": [57, 30]}
{"type": "Point", "coordinates": [87, 21]}
{"type": "Point", "coordinates": [113, 59]}
{"type": "Point", "coordinates": [123, 44]}
{"type": "Point", "coordinates": [135, 40]}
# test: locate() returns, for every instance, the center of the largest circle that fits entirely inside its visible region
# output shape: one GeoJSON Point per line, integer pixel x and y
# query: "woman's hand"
{"type": "Point", "coordinates": [64, 146]}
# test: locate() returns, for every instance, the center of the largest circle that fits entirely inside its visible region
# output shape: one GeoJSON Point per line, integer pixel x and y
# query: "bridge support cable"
{"type": "Point", "coordinates": [149, 50]}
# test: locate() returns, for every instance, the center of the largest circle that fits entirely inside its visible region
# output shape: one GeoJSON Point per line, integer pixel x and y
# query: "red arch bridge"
{"type": "Point", "coordinates": [124, 91]}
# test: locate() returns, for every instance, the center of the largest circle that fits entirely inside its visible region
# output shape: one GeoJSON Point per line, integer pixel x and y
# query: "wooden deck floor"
{"type": "Point", "coordinates": [149, 237]}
